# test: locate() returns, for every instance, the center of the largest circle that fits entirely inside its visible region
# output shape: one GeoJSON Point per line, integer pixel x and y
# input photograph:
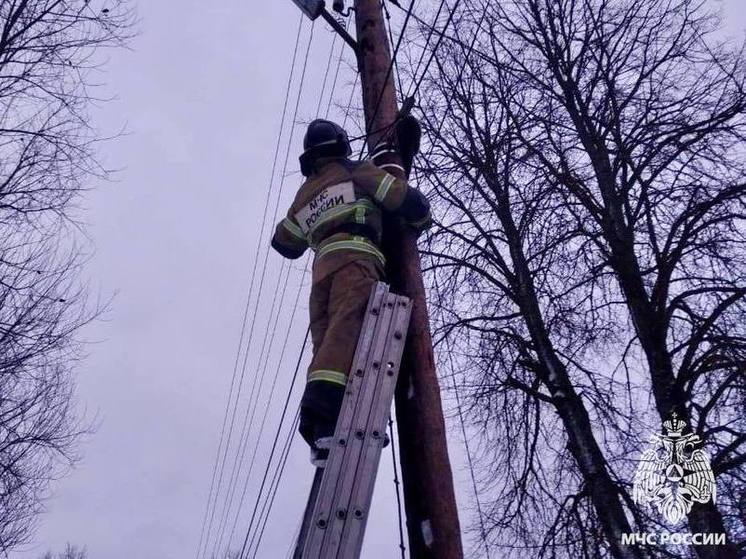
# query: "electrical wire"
{"type": "Point", "coordinates": [391, 64]}
{"type": "Point", "coordinates": [296, 534]}
{"type": "Point", "coordinates": [459, 408]}
{"type": "Point", "coordinates": [271, 342]}
{"type": "Point", "coordinates": [269, 400]}
{"type": "Point", "coordinates": [336, 75]}
{"type": "Point", "coordinates": [387, 14]}
{"type": "Point", "coordinates": [371, 121]}
{"type": "Point", "coordinates": [452, 12]}
{"type": "Point", "coordinates": [431, 29]}
{"type": "Point", "coordinates": [349, 103]}
{"type": "Point", "coordinates": [213, 491]}
{"type": "Point", "coordinates": [397, 483]}
{"type": "Point", "coordinates": [274, 446]}
{"type": "Point", "coordinates": [416, 83]}
{"type": "Point", "coordinates": [268, 501]}
{"type": "Point", "coordinates": [279, 468]}
{"type": "Point", "coordinates": [251, 409]}
{"type": "Point", "coordinates": [483, 531]}
{"type": "Point", "coordinates": [326, 73]}
{"type": "Point", "coordinates": [251, 403]}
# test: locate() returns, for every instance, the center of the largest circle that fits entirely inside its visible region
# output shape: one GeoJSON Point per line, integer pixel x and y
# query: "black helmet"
{"type": "Point", "coordinates": [323, 138]}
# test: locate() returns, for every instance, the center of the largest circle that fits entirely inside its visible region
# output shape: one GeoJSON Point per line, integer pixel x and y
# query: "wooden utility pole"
{"type": "Point", "coordinates": [429, 498]}
{"type": "Point", "coordinates": [430, 502]}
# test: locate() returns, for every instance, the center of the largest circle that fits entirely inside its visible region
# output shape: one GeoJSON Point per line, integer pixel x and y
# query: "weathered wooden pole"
{"type": "Point", "coordinates": [430, 503]}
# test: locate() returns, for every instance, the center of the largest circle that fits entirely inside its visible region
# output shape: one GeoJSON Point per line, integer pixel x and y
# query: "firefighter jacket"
{"type": "Point", "coordinates": [337, 213]}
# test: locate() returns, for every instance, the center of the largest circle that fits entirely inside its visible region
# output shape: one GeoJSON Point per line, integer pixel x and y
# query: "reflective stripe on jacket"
{"type": "Point", "coordinates": [337, 213]}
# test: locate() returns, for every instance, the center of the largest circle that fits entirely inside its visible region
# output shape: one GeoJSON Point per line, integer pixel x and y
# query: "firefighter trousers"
{"type": "Point", "coordinates": [337, 310]}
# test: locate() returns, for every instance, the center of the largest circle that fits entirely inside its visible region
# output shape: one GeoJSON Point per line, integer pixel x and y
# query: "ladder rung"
{"type": "Point", "coordinates": [341, 502]}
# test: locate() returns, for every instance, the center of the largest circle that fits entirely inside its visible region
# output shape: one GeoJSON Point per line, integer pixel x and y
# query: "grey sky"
{"type": "Point", "coordinates": [201, 95]}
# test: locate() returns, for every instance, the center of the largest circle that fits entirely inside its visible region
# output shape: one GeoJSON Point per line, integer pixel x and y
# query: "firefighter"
{"type": "Point", "coordinates": [337, 212]}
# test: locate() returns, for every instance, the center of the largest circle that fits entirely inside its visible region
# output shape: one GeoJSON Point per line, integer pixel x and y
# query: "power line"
{"type": "Point", "coordinates": [442, 34]}
{"type": "Point", "coordinates": [246, 313]}
{"type": "Point", "coordinates": [452, 12]}
{"type": "Point", "coordinates": [251, 402]}
{"type": "Point", "coordinates": [251, 412]}
{"type": "Point", "coordinates": [279, 470]}
{"type": "Point", "coordinates": [269, 500]}
{"type": "Point", "coordinates": [470, 462]}
{"type": "Point", "coordinates": [483, 531]}
{"type": "Point", "coordinates": [371, 121]}
{"type": "Point", "coordinates": [431, 29]}
{"type": "Point", "coordinates": [224, 444]}
{"type": "Point", "coordinates": [417, 84]}
{"type": "Point", "coordinates": [349, 102]}
{"type": "Point", "coordinates": [400, 524]}
{"type": "Point", "coordinates": [334, 83]}
{"type": "Point", "coordinates": [391, 42]}
{"type": "Point", "coordinates": [290, 388]}
{"type": "Point", "coordinates": [274, 445]}
{"type": "Point", "coordinates": [336, 73]}
{"type": "Point", "coordinates": [296, 534]}
{"type": "Point", "coordinates": [318, 109]}
{"type": "Point", "coordinates": [326, 73]}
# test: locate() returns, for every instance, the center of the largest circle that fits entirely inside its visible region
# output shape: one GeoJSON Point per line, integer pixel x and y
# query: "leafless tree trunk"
{"type": "Point", "coordinates": [47, 59]}
{"type": "Point", "coordinates": [485, 247]}
{"type": "Point", "coordinates": [588, 160]}
{"type": "Point", "coordinates": [70, 552]}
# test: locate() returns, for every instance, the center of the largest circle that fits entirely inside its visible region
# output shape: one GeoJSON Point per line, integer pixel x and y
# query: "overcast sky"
{"type": "Point", "coordinates": [201, 96]}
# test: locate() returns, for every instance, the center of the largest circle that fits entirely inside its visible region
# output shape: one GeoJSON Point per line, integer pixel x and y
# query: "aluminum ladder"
{"type": "Point", "coordinates": [337, 511]}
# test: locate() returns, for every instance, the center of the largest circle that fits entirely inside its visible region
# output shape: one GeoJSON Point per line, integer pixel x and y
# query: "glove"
{"type": "Point", "coordinates": [408, 135]}
{"type": "Point", "coordinates": [416, 211]}
{"type": "Point", "coordinates": [382, 152]}
{"type": "Point", "coordinates": [406, 145]}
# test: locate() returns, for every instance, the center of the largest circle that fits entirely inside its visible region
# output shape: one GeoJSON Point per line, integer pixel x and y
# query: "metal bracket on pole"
{"type": "Point", "coordinates": [341, 30]}
{"type": "Point", "coordinates": [312, 8]}
{"type": "Point", "coordinates": [338, 507]}
{"type": "Point", "coordinates": [316, 8]}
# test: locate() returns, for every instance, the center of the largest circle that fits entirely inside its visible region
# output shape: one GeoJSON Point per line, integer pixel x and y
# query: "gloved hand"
{"type": "Point", "coordinates": [381, 151]}
{"type": "Point", "coordinates": [406, 145]}
{"type": "Point", "coordinates": [421, 226]}
{"type": "Point", "coordinates": [416, 211]}
{"type": "Point", "coordinates": [408, 134]}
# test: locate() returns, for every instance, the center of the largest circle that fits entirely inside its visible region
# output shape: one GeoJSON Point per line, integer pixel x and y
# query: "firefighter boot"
{"type": "Point", "coordinates": [319, 410]}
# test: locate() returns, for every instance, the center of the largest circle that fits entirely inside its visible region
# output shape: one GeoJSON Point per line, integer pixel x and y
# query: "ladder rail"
{"type": "Point", "coordinates": [308, 513]}
{"type": "Point", "coordinates": [355, 468]}
{"type": "Point", "coordinates": [338, 506]}
{"type": "Point", "coordinates": [328, 507]}
{"type": "Point", "coordinates": [362, 493]}
{"type": "Point", "coordinates": [377, 295]}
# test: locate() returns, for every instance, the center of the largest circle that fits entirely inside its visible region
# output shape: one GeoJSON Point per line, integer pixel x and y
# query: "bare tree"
{"type": "Point", "coordinates": [588, 160]}
{"type": "Point", "coordinates": [70, 552]}
{"type": "Point", "coordinates": [75, 552]}
{"type": "Point", "coordinates": [495, 264]}
{"type": "Point", "coordinates": [48, 55]}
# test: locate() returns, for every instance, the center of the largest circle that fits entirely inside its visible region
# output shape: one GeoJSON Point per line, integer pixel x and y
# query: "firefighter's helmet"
{"type": "Point", "coordinates": [323, 138]}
